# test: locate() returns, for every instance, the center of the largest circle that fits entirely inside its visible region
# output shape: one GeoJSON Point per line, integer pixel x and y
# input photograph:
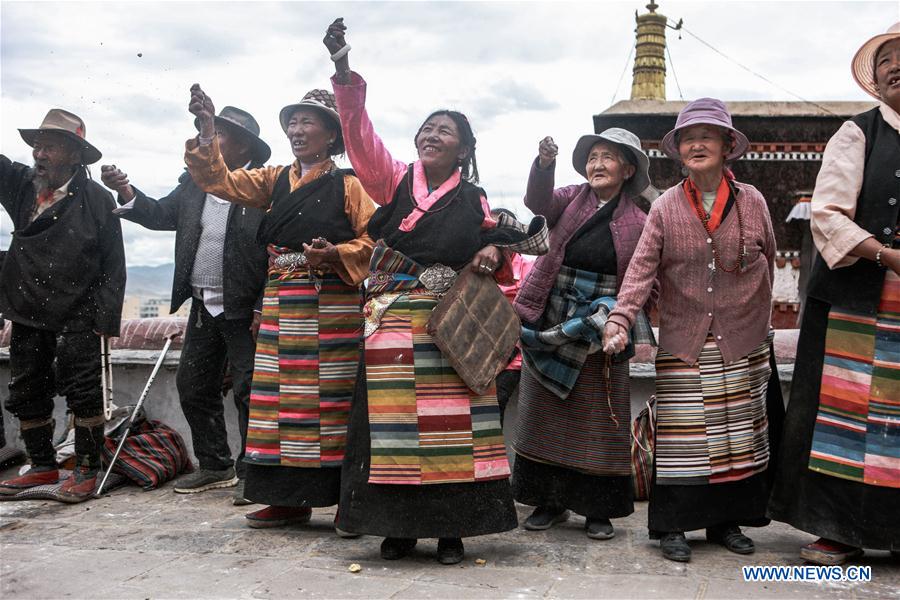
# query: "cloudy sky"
{"type": "Point", "coordinates": [520, 70]}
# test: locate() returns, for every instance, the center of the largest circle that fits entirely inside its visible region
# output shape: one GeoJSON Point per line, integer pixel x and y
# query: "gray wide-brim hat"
{"type": "Point", "coordinates": [322, 101]}
{"type": "Point", "coordinates": [704, 111]}
{"type": "Point", "coordinates": [242, 123]}
{"type": "Point", "coordinates": [69, 125]}
{"type": "Point", "coordinates": [630, 145]}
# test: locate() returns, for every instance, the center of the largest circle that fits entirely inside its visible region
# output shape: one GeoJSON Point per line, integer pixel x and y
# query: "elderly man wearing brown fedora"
{"type": "Point", "coordinates": [211, 233]}
{"type": "Point", "coordinates": [61, 285]}
{"type": "Point", "coordinates": [839, 471]}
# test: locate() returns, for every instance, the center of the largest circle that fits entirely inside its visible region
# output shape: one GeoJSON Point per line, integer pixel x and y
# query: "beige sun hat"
{"type": "Point", "coordinates": [863, 64]}
{"type": "Point", "coordinates": [68, 124]}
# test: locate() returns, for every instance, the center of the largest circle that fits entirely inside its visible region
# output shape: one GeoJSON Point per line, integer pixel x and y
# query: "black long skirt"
{"type": "Point", "coordinates": [450, 510]}
{"type": "Point", "coordinates": [594, 496]}
{"type": "Point", "coordinates": [857, 514]}
{"type": "Point", "coordinates": [691, 507]}
{"type": "Point", "coordinates": [292, 486]}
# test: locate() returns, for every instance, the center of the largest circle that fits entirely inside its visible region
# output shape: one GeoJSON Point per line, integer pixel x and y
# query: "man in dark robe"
{"type": "Point", "coordinates": [61, 284]}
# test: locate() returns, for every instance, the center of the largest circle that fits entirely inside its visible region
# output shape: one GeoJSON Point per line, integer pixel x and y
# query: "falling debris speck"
{"type": "Point", "coordinates": [140, 54]}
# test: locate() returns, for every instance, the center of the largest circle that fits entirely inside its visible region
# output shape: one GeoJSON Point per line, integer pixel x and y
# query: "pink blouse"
{"type": "Point", "coordinates": [378, 171]}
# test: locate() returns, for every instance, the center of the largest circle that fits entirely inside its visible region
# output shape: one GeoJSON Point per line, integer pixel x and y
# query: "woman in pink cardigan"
{"type": "Point", "coordinates": [709, 242]}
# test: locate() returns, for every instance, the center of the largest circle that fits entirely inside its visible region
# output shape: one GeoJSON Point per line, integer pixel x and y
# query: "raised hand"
{"type": "Point", "coordinates": [336, 42]}
{"type": "Point", "coordinates": [202, 107]}
{"type": "Point", "coordinates": [115, 179]}
{"type": "Point", "coordinates": [334, 37]}
{"type": "Point", "coordinates": [547, 151]}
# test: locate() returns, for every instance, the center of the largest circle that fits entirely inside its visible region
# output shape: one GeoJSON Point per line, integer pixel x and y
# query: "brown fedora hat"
{"type": "Point", "coordinates": [243, 123]}
{"type": "Point", "coordinates": [68, 124]}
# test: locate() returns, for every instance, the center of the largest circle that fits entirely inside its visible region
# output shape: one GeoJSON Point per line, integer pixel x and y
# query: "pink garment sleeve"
{"type": "Point", "coordinates": [640, 277]}
{"type": "Point", "coordinates": [834, 200]}
{"type": "Point", "coordinates": [376, 169]}
{"type": "Point", "coordinates": [489, 222]}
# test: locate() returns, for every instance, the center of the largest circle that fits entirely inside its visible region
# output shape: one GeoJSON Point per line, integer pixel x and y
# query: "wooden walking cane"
{"type": "Point", "coordinates": [159, 361]}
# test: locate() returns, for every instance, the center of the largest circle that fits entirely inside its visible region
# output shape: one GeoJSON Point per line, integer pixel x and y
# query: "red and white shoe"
{"type": "Point", "coordinates": [828, 552]}
{"type": "Point", "coordinates": [79, 486]}
{"type": "Point", "coordinates": [31, 479]}
{"type": "Point", "coordinates": [278, 516]}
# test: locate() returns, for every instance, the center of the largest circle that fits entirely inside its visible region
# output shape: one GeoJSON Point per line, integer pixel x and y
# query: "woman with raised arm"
{"type": "Point", "coordinates": [709, 243]}
{"type": "Point", "coordinates": [573, 441]}
{"type": "Point", "coordinates": [839, 471]}
{"type": "Point", "coordinates": [425, 457]}
{"type": "Point", "coordinates": [307, 348]}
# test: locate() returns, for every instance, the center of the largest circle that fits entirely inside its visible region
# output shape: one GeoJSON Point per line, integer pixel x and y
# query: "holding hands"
{"type": "Point", "coordinates": [115, 179]}
{"type": "Point", "coordinates": [615, 338]}
{"type": "Point", "coordinates": [547, 151]}
{"type": "Point", "coordinates": [202, 107]}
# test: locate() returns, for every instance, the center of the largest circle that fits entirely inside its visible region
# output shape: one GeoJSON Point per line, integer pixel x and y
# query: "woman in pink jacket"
{"type": "Point", "coordinates": [709, 242]}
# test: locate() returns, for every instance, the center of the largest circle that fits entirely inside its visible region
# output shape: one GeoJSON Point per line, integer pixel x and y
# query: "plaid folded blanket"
{"type": "Point", "coordinates": [572, 328]}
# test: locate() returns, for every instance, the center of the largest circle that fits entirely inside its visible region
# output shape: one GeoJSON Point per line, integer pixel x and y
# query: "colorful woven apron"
{"type": "Point", "coordinates": [712, 425]}
{"type": "Point", "coordinates": [857, 431]}
{"type": "Point", "coordinates": [426, 426]}
{"type": "Point", "coordinates": [307, 353]}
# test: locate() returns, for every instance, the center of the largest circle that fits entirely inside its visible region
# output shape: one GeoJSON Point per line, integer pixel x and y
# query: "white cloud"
{"type": "Point", "coordinates": [520, 70]}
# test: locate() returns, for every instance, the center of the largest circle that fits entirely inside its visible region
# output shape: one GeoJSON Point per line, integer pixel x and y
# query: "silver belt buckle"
{"type": "Point", "coordinates": [291, 260]}
{"type": "Point", "coordinates": [438, 278]}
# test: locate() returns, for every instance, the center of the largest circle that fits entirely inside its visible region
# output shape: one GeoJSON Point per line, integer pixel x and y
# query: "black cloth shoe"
{"type": "Point", "coordinates": [599, 529]}
{"type": "Point", "coordinates": [397, 548]}
{"type": "Point", "coordinates": [450, 551]}
{"type": "Point", "coordinates": [545, 517]}
{"type": "Point", "coordinates": [237, 496]}
{"type": "Point", "coordinates": [731, 537]}
{"type": "Point", "coordinates": [674, 546]}
{"type": "Point", "coordinates": [205, 479]}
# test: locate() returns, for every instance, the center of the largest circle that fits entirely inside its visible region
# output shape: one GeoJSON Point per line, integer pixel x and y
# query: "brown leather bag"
{"type": "Point", "coordinates": [476, 329]}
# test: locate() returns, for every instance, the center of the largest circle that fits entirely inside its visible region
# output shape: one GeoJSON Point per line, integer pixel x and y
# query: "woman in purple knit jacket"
{"type": "Point", "coordinates": [709, 242]}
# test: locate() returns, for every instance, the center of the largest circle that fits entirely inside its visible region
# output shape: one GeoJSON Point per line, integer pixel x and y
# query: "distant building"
{"type": "Point", "coordinates": [152, 307]}
{"type": "Point", "coordinates": [786, 144]}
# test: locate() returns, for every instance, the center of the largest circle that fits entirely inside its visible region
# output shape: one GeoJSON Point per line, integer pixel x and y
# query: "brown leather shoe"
{"type": "Point", "coordinates": [79, 486]}
{"type": "Point", "coordinates": [31, 479]}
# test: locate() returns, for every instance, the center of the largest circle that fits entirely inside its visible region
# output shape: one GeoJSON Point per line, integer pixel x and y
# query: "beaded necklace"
{"type": "Point", "coordinates": [704, 218]}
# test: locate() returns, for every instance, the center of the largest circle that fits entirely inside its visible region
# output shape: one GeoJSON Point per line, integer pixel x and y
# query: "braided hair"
{"type": "Point", "coordinates": [468, 165]}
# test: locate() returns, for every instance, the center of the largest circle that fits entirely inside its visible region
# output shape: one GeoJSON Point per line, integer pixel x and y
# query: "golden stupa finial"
{"type": "Point", "coordinates": [649, 74]}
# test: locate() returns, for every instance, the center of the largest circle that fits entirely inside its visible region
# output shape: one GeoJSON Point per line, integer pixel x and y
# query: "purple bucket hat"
{"type": "Point", "coordinates": [704, 111]}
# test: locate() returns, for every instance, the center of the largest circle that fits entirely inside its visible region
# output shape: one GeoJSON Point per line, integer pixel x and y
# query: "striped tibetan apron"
{"type": "Point", "coordinates": [426, 425]}
{"type": "Point", "coordinates": [857, 430]}
{"type": "Point", "coordinates": [712, 425]}
{"type": "Point", "coordinates": [307, 353]}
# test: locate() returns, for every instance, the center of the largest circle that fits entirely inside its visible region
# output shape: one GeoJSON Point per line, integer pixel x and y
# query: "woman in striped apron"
{"type": "Point", "coordinates": [573, 428]}
{"type": "Point", "coordinates": [839, 472]}
{"type": "Point", "coordinates": [709, 242]}
{"type": "Point", "coordinates": [308, 342]}
{"type": "Point", "coordinates": [425, 456]}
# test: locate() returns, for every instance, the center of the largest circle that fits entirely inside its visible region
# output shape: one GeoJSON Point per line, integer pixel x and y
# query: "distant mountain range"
{"type": "Point", "coordinates": [150, 281]}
